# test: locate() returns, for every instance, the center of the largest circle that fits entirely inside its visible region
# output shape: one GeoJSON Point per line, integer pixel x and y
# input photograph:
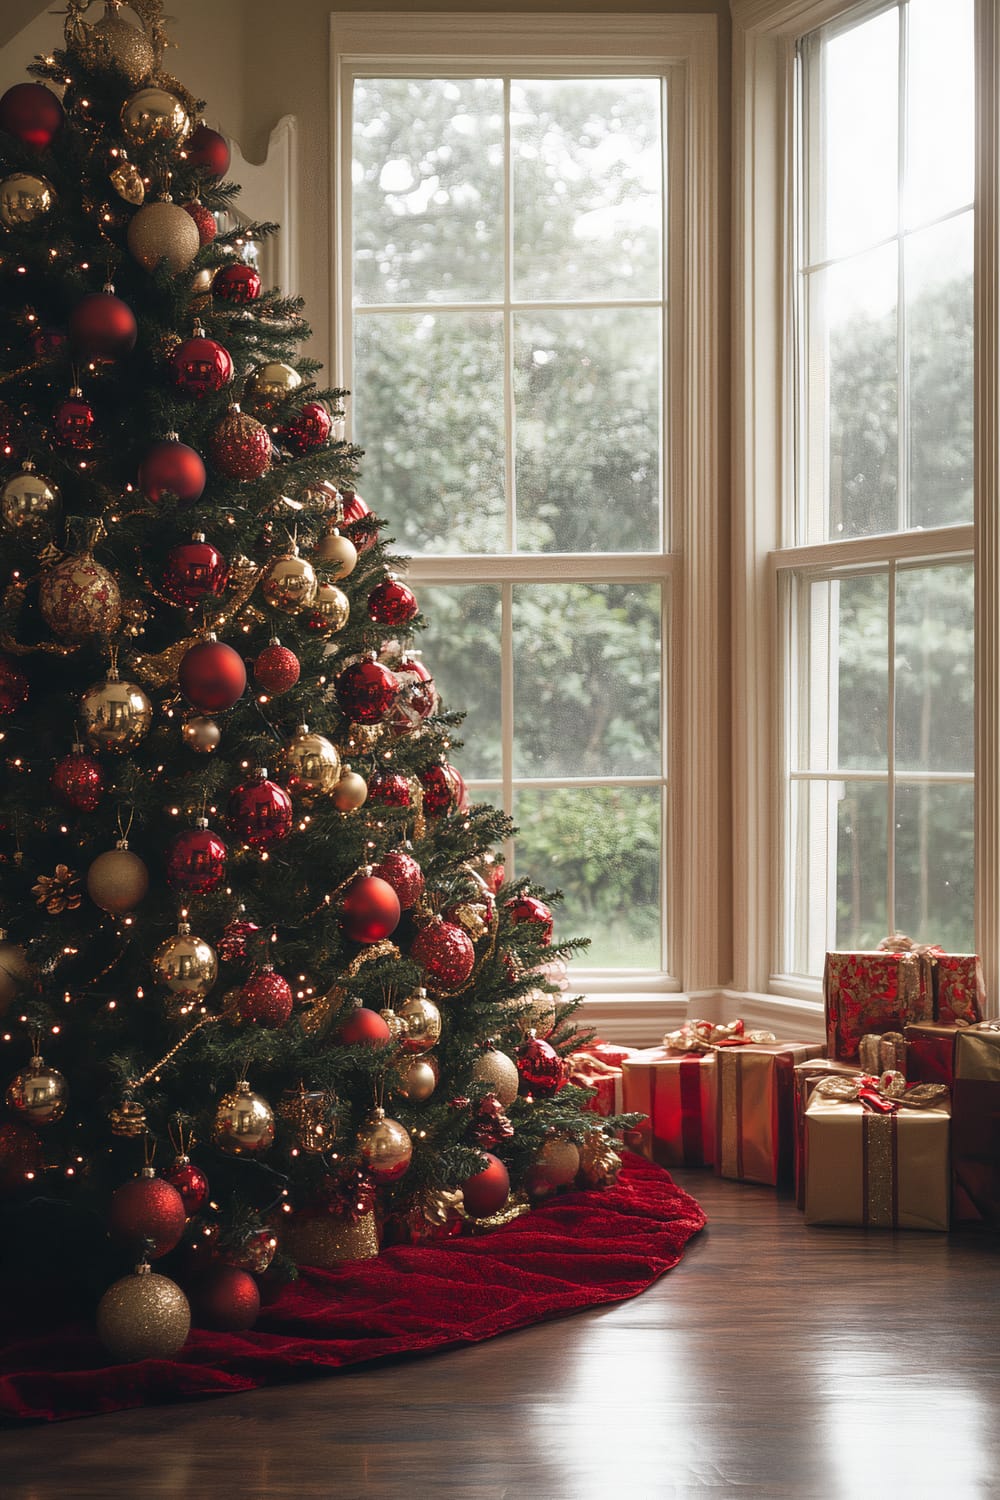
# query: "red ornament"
{"type": "Point", "coordinates": [444, 790]}
{"type": "Point", "coordinates": [260, 812]}
{"type": "Point", "coordinates": [363, 1027]}
{"type": "Point", "coordinates": [540, 1066]}
{"type": "Point", "coordinates": [309, 430]}
{"type": "Point", "coordinates": [201, 366]}
{"type": "Point", "coordinates": [240, 447]}
{"type": "Point", "coordinates": [486, 1192]}
{"type": "Point", "coordinates": [194, 570]}
{"type": "Point", "coordinates": [172, 468]}
{"type": "Point", "coordinates": [529, 909]}
{"type": "Point", "coordinates": [266, 999]}
{"type": "Point", "coordinates": [392, 603]}
{"type": "Point", "coordinates": [237, 283]}
{"type": "Point", "coordinates": [370, 911]}
{"type": "Point", "coordinates": [226, 1298]}
{"type": "Point", "coordinates": [209, 151]}
{"type": "Point", "coordinates": [276, 668]}
{"type": "Point", "coordinates": [445, 952]}
{"type": "Point", "coordinates": [13, 685]}
{"type": "Point", "coordinates": [196, 860]}
{"type": "Point", "coordinates": [401, 871]}
{"type": "Point", "coordinates": [102, 326]}
{"type": "Point", "coordinates": [190, 1181]}
{"type": "Point", "coordinates": [365, 691]}
{"type": "Point", "coordinates": [355, 509]}
{"type": "Point", "coordinates": [212, 676]}
{"type": "Point", "coordinates": [416, 698]}
{"type": "Point", "coordinates": [31, 113]}
{"type": "Point", "coordinates": [20, 1154]}
{"type": "Point", "coordinates": [204, 221]}
{"type": "Point", "coordinates": [389, 789]}
{"type": "Point", "coordinates": [78, 780]}
{"type": "Point", "coordinates": [233, 945]}
{"type": "Point", "coordinates": [147, 1215]}
{"type": "Point", "coordinates": [491, 1124]}
{"type": "Point", "coordinates": [48, 343]}
{"type": "Point", "coordinates": [74, 422]}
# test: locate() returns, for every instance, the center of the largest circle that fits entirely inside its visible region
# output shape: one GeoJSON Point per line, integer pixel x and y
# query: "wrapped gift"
{"type": "Point", "coordinates": [882, 1054]}
{"type": "Point", "coordinates": [599, 1066]}
{"type": "Point", "coordinates": [930, 1052]}
{"type": "Point", "coordinates": [976, 1125]}
{"type": "Point", "coordinates": [875, 992]}
{"type": "Point", "coordinates": [755, 1111]}
{"type": "Point", "coordinates": [876, 1153]}
{"type": "Point", "coordinates": [805, 1077]}
{"type": "Point", "coordinates": [959, 993]}
{"type": "Point", "coordinates": [676, 1093]}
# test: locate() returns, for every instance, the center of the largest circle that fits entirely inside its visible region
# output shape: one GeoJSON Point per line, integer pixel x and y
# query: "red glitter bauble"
{"type": "Point", "coordinates": [190, 1181]}
{"type": "Point", "coordinates": [209, 151]}
{"type": "Point", "coordinates": [530, 909]}
{"type": "Point", "coordinates": [370, 910]}
{"type": "Point", "coordinates": [212, 676]}
{"type": "Point", "coordinates": [20, 1153]}
{"type": "Point", "coordinates": [201, 366]}
{"type": "Point", "coordinates": [204, 221]}
{"type": "Point", "coordinates": [402, 872]}
{"type": "Point", "coordinates": [266, 999]}
{"type": "Point", "coordinates": [196, 861]}
{"type": "Point", "coordinates": [366, 691]}
{"type": "Point", "coordinates": [32, 114]}
{"type": "Point", "coordinates": [232, 947]}
{"type": "Point", "coordinates": [445, 952]}
{"type": "Point", "coordinates": [147, 1215]}
{"type": "Point", "coordinates": [78, 780]}
{"type": "Point", "coordinates": [172, 468]}
{"type": "Point", "coordinates": [13, 685]}
{"type": "Point", "coordinates": [193, 571]}
{"type": "Point", "coordinates": [485, 1192]}
{"type": "Point", "coordinates": [309, 430]}
{"type": "Point", "coordinates": [276, 669]}
{"type": "Point", "coordinates": [240, 447]}
{"type": "Point", "coordinates": [389, 789]}
{"type": "Point", "coordinates": [102, 327]}
{"type": "Point", "coordinates": [363, 1026]}
{"type": "Point", "coordinates": [260, 813]}
{"type": "Point", "coordinates": [74, 423]}
{"type": "Point", "coordinates": [417, 697]}
{"type": "Point", "coordinates": [226, 1298]}
{"type": "Point", "coordinates": [237, 283]}
{"type": "Point", "coordinates": [444, 790]}
{"type": "Point", "coordinates": [540, 1066]}
{"type": "Point", "coordinates": [392, 603]}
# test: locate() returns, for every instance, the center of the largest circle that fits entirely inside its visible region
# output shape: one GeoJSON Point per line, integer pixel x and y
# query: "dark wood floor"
{"type": "Point", "coordinates": [776, 1360]}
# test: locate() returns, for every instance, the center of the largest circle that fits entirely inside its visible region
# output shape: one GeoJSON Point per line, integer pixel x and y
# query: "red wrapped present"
{"type": "Point", "coordinates": [930, 1052]}
{"type": "Point", "coordinates": [805, 1077]}
{"type": "Point", "coordinates": [875, 992]}
{"type": "Point", "coordinates": [599, 1066]}
{"type": "Point", "coordinates": [755, 1111]}
{"type": "Point", "coordinates": [676, 1093]}
{"type": "Point", "coordinates": [975, 1149]}
{"type": "Point", "coordinates": [959, 993]}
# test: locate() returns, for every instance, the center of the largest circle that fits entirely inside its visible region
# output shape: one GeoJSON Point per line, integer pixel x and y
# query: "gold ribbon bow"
{"type": "Point", "coordinates": [916, 966]}
{"type": "Point", "coordinates": [705, 1036]}
{"type": "Point", "coordinates": [885, 1094]}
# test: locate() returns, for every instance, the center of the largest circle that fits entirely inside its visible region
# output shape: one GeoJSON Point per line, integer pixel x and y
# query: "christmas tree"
{"type": "Point", "coordinates": [263, 987]}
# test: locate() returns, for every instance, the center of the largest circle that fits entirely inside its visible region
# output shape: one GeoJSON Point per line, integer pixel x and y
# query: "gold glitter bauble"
{"type": "Point", "coordinates": [28, 500]}
{"type": "Point", "coordinates": [24, 198]}
{"type": "Point", "coordinates": [556, 1164]}
{"type": "Point", "coordinates": [117, 47]}
{"type": "Point", "coordinates": [115, 715]}
{"type": "Point", "coordinates": [163, 231]}
{"type": "Point", "coordinates": [499, 1073]}
{"type": "Point", "coordinates": [153, 116]}
{"type": "Point", "coordinates": [351, 791]}
{"type": "Point", "coordinates": [289, 583]}
{"type": "Point", "coordinates": [421, 1024]}
{"type": "Point", "coordinates": [38, 1094]}
{"type": "Point", "coordinates": [268, 385]}
{"type": "Point", "coordinates": [327, 1240]}
{"type": "Point", "coordinates": [117, 880]}
{"type": "Point", "coordinates": [385, 1146]}
{"type": "Point", "coordinates": [185, 964]}
{"type": "Point", "coordinates": [244, 1122]}
{"type": "Point", "coordinates": [417, 1078]}
{"type": "Point", "coordinates": [310, 764]}
{"type": "Point", "coordinates": [337, 553]}
{"type": "Point", "coordinates": [201, 734]}
{"type": "Point", "coordinates": [79, 598]}
{"type": "Point", "coordinates": [15, 973]}
{"type": "Point", "coordinates": [329, 611]}
{"type": "Point", "coordinates": [143, 1316]}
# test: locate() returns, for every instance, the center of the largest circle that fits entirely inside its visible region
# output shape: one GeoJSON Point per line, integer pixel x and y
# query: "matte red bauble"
{"type": "Point", "coordinates": [389, 789]}
{"type": "Point", "coordinates": [32, 114]}
{"type": "Point", "coordinates": [444, 790]}
{"type": "Point", "coordinates": [355, 509]}
{"type": "Point", "coordinates": [212, 676]}
{"type": "Point", "coordinates": [201, 366]}
{"type": "Point", "coordinates": [193, 571]}
{"type": "Point", "coordinates": [309, 430]}
{"type": "Point", "coordinates": [78, 780]}
{"type": "Point", "coordinates": [13, 685]}
{"type": "Point", "coordinates": [540, 1066]}
{"type": "Point", "coordinates": [529, 909]}
{"type": "Point", "coordinates": [226, 1298]}
{"type": "Point", "coordinates": [240, 447]}
{"type": "Point", "coordinates": [370, 911]}
{"type": "Point", "coordinates": [190, 1181]}
{"type": "Point", "coordinates": [147, 1215]}
{"type": "Point", "coordinates": [417, 697]}
{"type": "Point", "coordinates": [265, 1000]}
{"type": "Point", "coordinates": [73, 422]}
{"type": "Point", "coordinates": [405, 876]}
{"type": "Point", "coordinates": [237, 283]}
{"type": "Point", "coordinates": [260, 812]}
{"type": "Point", "coordinates": [20, 1154]}
{"type": "Point", "coordinates": [276, 668]}
{"type": "Point", "coordinates": [209, 151]}
{"type": "Point", "coordinates": [363, 1027]}
{"type": "Point", "coordinates": [485, 1192]}
{"type": "Point", "coordinates": [196, 860]}
{"type": "Point", "coordinates": [172, 468]}
{"type": "Point", "coordinates": [204, 221]}
{"type": "Point", "coordinates": [365, 691]}
{"type": "Point", "coordinates": [392, 603]}
{"type": "Point", "coordinates": [445, 952]}
{"type": "Point", "coordinates": [102, 326]}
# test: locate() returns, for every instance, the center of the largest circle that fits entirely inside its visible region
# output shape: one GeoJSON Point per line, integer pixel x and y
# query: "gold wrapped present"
{"type": "Point", "coordinates": [805, 1077]}
{"type": "Point", "coordinates": [755, 1113]}
{"type": "Point", "coordinates": [882, 1053]}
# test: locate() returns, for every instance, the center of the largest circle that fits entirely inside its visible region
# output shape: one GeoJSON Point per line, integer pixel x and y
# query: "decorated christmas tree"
{"type": "Point", "coordinates": [265, 994]}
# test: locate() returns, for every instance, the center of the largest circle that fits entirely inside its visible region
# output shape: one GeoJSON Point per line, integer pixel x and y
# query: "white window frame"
{"type": "Point", "coordinates": [695, 846]}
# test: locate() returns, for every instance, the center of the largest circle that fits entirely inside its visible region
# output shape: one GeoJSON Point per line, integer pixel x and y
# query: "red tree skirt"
{"type": "Point", "coordinates": [581, 1250]}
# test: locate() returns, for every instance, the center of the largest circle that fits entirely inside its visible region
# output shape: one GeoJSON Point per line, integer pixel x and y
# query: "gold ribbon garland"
{"type": "Point", "coordinates": [316, 1017]}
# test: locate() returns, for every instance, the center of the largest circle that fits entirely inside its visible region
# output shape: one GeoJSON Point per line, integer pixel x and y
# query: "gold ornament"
{"type": "Point", "coordinates": [114, 46]}
{"type": "Point", "coordinates": [289, 583]}
{"type": "Point", "coordinates": [556, 1165]}
{"type": "Point", "coordinates": [15, 972]}
{"type": "Point", "coordinates": [126, 179]}
{"type": "Point", "coordinates": [185, 964]}
{"type": "Point", "coordinates": [317, 498]}
{"type": "Point", "coordinates": [268, 385]}
{"type": "Point", "coordinates": [201, 283]}
{"type": "Point", "coordinates": [328, 1240]}
{"type": "Point", "coordinates": [115, 715]}
{"type": "Point", "coordinates": [337, 553]}
{"type": "Point", "coordinates": [499, 1073]}
{"type": "Point", "coordinates": [163, 231]}
{"type": "Point", "coordinates": [535, 1012]}
{"type": "Point", "coordinates": [24, 198]}
{"type": "Point", "coordinates": [143, 1316]}
{"type": "Point", "coordinates": [29, 500]}
{"type": "Point", "coordinates": [79, 598]}
{"type": "Point", "coordinates": [58, 892]}
{"type": "Point", "coordinates": [599, 1161]}
{"type": "Point", "coordinates": [311, 1114]}
{"type": "Point", "coordinates": [310, 764]}
{"type": "Point", "coordinates": [351, 791]}
{"type": "Point", "coordinates": [516, 1206]}
{"type": "Point", "coordinates": [38, 1094]}
{"type": "Point", "coordinates": [117, 880]}
{"type": "Point", "coordinates": [417, 1077]}
{"type": "Point", "coordinates": [244, 1122]}
{"type": "Point", "coordinates": [255, 1254]}
{"type": "Point", "coordinates": [153, 116]}
{"type": "Point", "coordinates": [385, 1146]}
{"type": "Point", "coordinates": [421, 1023]}
{"type": "Point", "coordinates": [128, 1118]}
{"type": "Point", "coordinates": [201, 734]}
{"type": "Point", "coordinates": [330, 610]}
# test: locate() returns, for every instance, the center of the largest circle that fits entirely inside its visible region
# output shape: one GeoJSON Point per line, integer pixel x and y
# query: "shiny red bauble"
{"type": "Point", "coordinates": [445, 953]}
{"type": "Point", "coordinates": [237, 283]}
{"type": "Point", "coordinates": [172, 468]}
{"type": "Point", "coordinates": [260, 813]}
{"type": "Point", "coordinates": [209, 151]}
{"type": "Point", "coordinates": [370, 910]}
{"type": "Point", "coordinates": [365, 691]}
{"type": "Point", "coordinates": [363, 1027]}
{"type": "Point", "coordinates": [485, 1192]}
{"type": "Point", "coordinates": [355, 509]}
{"type": "Point", "coordinates": [147, 1215]}
{"type": "Point", "coordinates": [32, 114]}
{"type": "Point", "coordinates": [73, 424]}
{"type": "Point", "coordinates": [193, 571]}
{"type": "Point", "coordinates": [13, 685]}
{"type": "Point", "coordinates": [102, 327]}
{"type": "Point", "coordinates": [541, 1068]}
{"type": "Point", "coordinates": [226, 1298]}
{"type": "Point", "coordinates": [265, 1000]}
{"type": "Point", "coordinates": [276, 669]}
{"type": "Point", "coordinates": [190, 1181]}
{"type": "Point", "coordinates": [392, 603]}
{"type": "Point", "coordinates": [417, 697]}
{"type": "Point", "coordinates": [240, 447]}
{"type": "Point", "coordinates": [309, 430]}
{"type": "Point", "coordinates": [405, 876]}
{"type": "Point", "coordinates": [444, 790]}
{"type": "Point", "coordinates": [201, 366]}
{"type": "Point", "coordinates": [389, 789]}
{"type": "Point", "coordinates": [20, 1155]}
{"type": "Point", "coordinates": [529, 909]}
{"type": "Point", "coordinates": [196, 861]}
{"type": "Point", "coordinates": [212, 676]}
{"type": "Point", "coordinates": [204, 221]}
{"type": "Point", "coordinates": [78, 780]}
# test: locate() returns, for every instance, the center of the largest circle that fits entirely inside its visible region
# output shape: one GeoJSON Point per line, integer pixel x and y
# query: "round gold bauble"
{"type": "Point", "coordinates": [185, 964]}
{"type": "Point", "coordinates": [143, 1316]}
{"type": "Point", "coordinates": [385, 1146]}
{"type": "Point", "coordinates": [201, 734]}
{"type": "Point", "coordinates": [201, 283]}
{"type": "Point", "coordinates": [310, 764]}
{"type": "Point", "coordinates": [117, 47]}
{"type": "Point", "coordinates": [351, 791]}
{"type": "Point", "coordinates": [556, 1164]}
{"type": "Point", "coordinates": [328, 1240]}
{"type": "Point", "coordinates": [28, 500]}
{"type": "Point", "coordinates": [535, 1012]}
{"type": "Point", "coordinates": [117, 880]}
{"type": "Point", "coordinates": [15, 973]}
{"type": "Point", "coordinates": [337, 553]}
{"type": "Point", "coordinates": [38, 1094]}
{"type": "Point", "coordinates": [330, 610]}
{"type": "Point", "coordinates": [289, 583]}
{"type": "Point", "coordinates": [268, 385]}
{"type": "Point", "coordinates": [421, 1024]}
{"type": "Point", "coordinates": [163, 232]}
{"type": "Point", "coordinates": [24, 197]}
{"type": "Point", "coordinates": [115, 715]}
{"type": "Point", "coordinates": [79, 598]}
{"type": "Point", "coordinates": [154, 116]}
{"type": "Point", "coordinates": [244, 1122]}
{"type": "Point", "coordinates": [499, 1073]}
{"type": "Point", "coordinates": [417, 1078]}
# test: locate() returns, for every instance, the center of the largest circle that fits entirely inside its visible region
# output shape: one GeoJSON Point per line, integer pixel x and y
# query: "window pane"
{"type": "Point", "coordinates": [811, 869]}
{"type": "Point", "coordinates": [586, 679]}
{"type": "Point", "coordinates": [843, 712]}
{"type": "Point", "coordinates": [601, 847]}
{"type": "Point", "coordinates": [461, 647]}
{"type": "Point", "coordinates": [935, 861]}
{"type": "Point", "coordinates": [587, 169]}
{"type": "Point", "coordinates": [429, 413]}
{"type": "Point", "coordinates": [428, 189]}
{"type": "Point", "coordinates": [862, 914]}
{"type": "Point", "coordinates": [941, 102]}
{"type": "Point", "coordinates": [587, 423]}
{"type": "Point", "coordinates": [934, 669]}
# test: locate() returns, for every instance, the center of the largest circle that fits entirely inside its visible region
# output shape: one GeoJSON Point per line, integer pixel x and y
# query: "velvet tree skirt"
{"type": "Point", "coordinates": [580, 1250]}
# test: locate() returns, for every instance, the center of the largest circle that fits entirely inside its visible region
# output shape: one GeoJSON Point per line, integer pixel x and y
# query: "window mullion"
{"type": "Point", "coordinates": [890, 850]}
{"type": "Point", "coordinates": [903, 508]}
{"type": "Point", "coordinates": [510, 484]}
{"type": "Point", "coordinates": [507, 708]}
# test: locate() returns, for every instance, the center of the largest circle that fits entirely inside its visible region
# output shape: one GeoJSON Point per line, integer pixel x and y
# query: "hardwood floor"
{"type": "Point", "coordinates": [775, 1361]}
